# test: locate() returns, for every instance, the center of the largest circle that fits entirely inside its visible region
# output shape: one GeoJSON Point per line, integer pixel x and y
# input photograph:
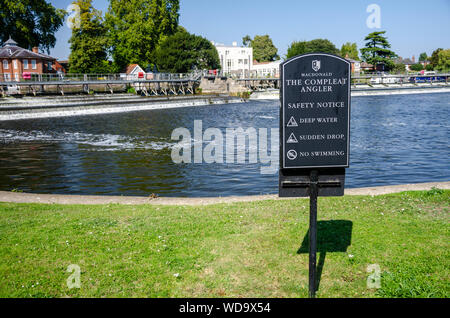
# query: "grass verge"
{"type": "Point", "coordinates": [256, 249]}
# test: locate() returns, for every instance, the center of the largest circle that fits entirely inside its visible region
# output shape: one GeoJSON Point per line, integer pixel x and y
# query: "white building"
{"type": "Point", "coordinates": [235, 60]}
{"type": "Point", "coordinates": [266, 69]}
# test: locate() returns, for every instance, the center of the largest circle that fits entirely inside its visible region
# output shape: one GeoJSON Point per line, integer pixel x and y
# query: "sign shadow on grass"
{"type": "Point", "coordinates": [332, 236]}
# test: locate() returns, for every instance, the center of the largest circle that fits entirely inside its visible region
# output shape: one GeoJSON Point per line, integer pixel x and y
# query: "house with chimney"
{"type": "Point", "coordinates": [407, 62]}
{"type": "Point", "coordinates": [17, 63]}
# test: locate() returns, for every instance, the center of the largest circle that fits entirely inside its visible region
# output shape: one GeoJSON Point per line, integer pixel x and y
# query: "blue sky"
{"type": "Point", "coordinates": [413, 26]}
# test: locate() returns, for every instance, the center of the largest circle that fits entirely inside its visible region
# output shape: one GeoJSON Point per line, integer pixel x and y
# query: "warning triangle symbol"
{"type": "Point", "coordinates": [292, 122]}
{"type": "Point", "coordinates": [292, 139]}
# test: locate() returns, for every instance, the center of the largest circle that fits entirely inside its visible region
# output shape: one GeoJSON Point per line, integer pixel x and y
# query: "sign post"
{"type": "Point", "coordinates": [314, 133]}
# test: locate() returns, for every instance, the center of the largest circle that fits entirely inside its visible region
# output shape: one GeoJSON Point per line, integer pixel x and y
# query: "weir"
{"type": "Point", "coordinates": [48, 107]}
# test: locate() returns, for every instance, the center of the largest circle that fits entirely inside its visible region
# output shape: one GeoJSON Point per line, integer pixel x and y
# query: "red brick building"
{"type": "Point", "coordinates": [15, 61]}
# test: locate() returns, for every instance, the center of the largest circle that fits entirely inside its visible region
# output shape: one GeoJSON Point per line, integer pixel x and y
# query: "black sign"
{"type": "Point", "coordinates": [315, 112]}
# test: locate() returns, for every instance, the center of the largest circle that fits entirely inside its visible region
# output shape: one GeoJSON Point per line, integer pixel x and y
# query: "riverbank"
{"type": "Point", "coordinates": [49, 107]}
{"type": "Point", "coordinates": [252, 249]}
{"type": "Point", "coordinates": [17, 197]}
{"type": "Point", "coordinates": [374, 90]}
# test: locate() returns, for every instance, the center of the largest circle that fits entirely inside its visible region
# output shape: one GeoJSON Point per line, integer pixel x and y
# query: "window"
{"type": "Point", "coordinates": [240, 61]}
{"type": "Point", "coordinates": [33, 64]}
{"type": "Point", "coordinates": [25, 64]}
{"type": "Point", "coordinates": [5, 64]}
{"type": "Point", "coordinates": [245, 61]}
{"type": "Point", "coordinates": [15, 64]}
{"type": "Point", "coordinates": [49, 66]}
{"type": "Point", "coordinates": [16, 77]}
{"type": "Point", "coordinates": [7, 77]}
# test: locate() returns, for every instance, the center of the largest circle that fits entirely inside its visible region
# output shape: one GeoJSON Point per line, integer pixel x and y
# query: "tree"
{"type": "Point", "coordinates": [429, 67]}
{"type": "Point", "coordinates": [296, 48]}
{"type": "Point", "coordinates": [399, 68]}
{"type": "Point", "coordinates": [89, 43]}
{"type": "Point", "coordinates": [443, 60]}
{"type": "Point", "coordinates": [137, 27]}
{"type": "Point", "coordinates": [351, 50]}
{"type": "Point", "coordinates": [317, 45]}
{"type": "Point", "coordinates": [246, 40]}
{"type": "Point", "coordinates": [31, 23]}
{"type": "Point", "coordinates": [263, 49]}
{"type": "Point", "coordinates": [423, 57]}
{"type": "Point", "coordinates": [416, 67]}
{"type": "Point", "coordinates": [184, 52]}
{"type": "Point", "coordinates": [435, 57]}
{"type": "Point", "coordinates": [377, 50]}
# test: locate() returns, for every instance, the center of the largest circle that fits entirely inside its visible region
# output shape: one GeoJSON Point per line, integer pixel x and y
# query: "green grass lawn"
{"type": "Point", "coordinates": [228, 250]}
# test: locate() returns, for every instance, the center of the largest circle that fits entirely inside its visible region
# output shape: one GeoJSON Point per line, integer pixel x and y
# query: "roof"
{"type": "Point", "coordinates": [10, 50]}
{"type": "Point", "coordinates": [407, 61]}
{"type": "Point", "coordinates": [11, 42]}
{"type": "Point", "coordinates": [130, 68]}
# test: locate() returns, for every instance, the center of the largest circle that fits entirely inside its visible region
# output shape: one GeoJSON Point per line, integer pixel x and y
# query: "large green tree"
{"type": "Point", "coordinates": [184, 52]}
{"type": "Point", "coordinates": [443, 60]}
{"type": "Point", "coordinates": [88, 43]}
{"type": "Point", "coordinates": [435, 57]}
{"type": "Point", "coordinates": [376, 50]}
{"type": "Point", "coordinates": [317, 45]}
{"type": "Point", "coordinates": [137, 27]}
{"type": "Point", "coordinates": [351, 50]}
{"type": "Point", "coordinates": [30, 23]}
{"type": "Point", "coordinates": [263, 49]}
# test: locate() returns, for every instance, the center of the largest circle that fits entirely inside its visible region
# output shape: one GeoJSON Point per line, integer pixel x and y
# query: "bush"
{"type": "Point", "coordinates": [399, 68]}
{"type": "Point", "coordinates": [416, 67]}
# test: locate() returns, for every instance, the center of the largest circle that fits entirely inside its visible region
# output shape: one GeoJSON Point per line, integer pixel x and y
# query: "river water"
{"type": "Point", "coordinates": [394, 140]}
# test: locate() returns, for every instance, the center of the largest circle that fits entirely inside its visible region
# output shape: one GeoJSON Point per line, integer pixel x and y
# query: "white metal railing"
{"type": "Point", "coordinates": [70, 77]}
{"type": "Point", "coordinates": [9, 79]}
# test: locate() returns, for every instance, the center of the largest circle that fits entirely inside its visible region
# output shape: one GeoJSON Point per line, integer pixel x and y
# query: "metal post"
{"type": "Point", "coordinates": [314, 178]}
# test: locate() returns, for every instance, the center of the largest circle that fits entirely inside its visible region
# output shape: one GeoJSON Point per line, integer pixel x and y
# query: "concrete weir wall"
{"type": "Point", "coordinates": [46, 107]}
{"type": "Point", "coordinates": [219, 85]}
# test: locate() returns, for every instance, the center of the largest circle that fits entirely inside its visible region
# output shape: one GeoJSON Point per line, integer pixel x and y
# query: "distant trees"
{"type": "Point", "coordinates": [416, 67]}
{"type": "Point", "coordinates": [423, 57]}
{"type": "Point", "coordinates": [351, 50]}
{"type": "Point", "coordinates": [443, 63]}
{"type": "Point", "coordinates": [88, 43]}
{"type": "Point", "coordinates": [30, 23]}
{"type": "Point", "coordinates": [434, 59]}
{"type": "Point", "coordinates": [137, 27]}
{"type": "Point", "coordinates": [183, 52]}
{"type": "Point", "coordinates": [376, 50]}
{"type": "Point", "coordinates": [246, 40]}
{"type": "Point", "coordinates": [399, 68]}
{"type": "Point", "coordinates": [317, 45]}
{"type": "Point", "coordinates": [263, 48]}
